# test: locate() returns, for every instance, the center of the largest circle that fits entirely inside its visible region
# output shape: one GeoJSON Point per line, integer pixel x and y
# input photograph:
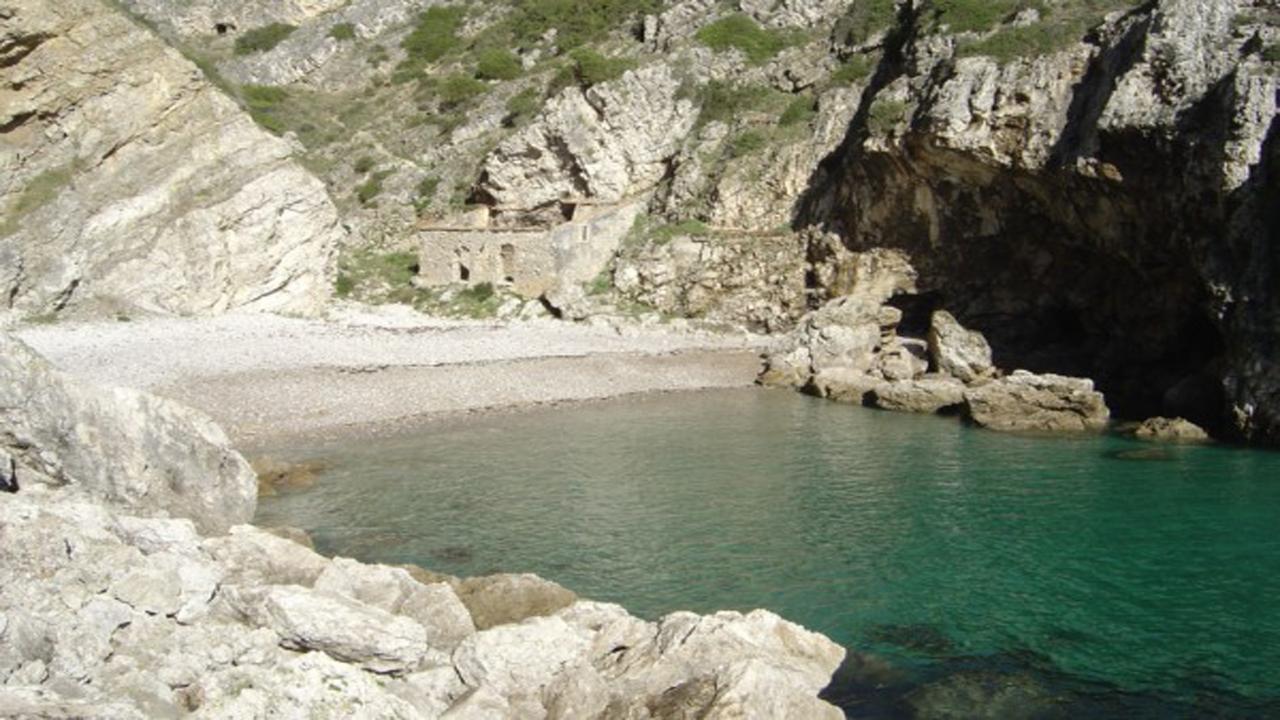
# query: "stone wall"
{"type": "Point", "coordinates": [531, 261]}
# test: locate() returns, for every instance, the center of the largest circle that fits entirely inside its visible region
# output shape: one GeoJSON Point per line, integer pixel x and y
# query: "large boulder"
{"type": "Point", "coordinates": [121, 446]}
{"type": "Point", "coordinates": [1178, 430]}
{"type": "Point", "coordinates": [956, 351]}
{"type": "Point", "coordinates": [927, 395]}
{"type": "Point", "coordinates": [342, 628]}
{"type": "Point", "coordinates": [1027, 402]}
{"type": "Point", "coordinates": [435, 606]}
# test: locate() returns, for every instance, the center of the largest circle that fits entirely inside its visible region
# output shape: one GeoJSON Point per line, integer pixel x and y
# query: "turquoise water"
{"type": "Point", "coordinates": [1080, 576]}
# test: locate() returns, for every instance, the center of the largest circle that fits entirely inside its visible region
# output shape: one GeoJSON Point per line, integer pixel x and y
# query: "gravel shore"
{"type": "Point", "coordinates": [364, 370]}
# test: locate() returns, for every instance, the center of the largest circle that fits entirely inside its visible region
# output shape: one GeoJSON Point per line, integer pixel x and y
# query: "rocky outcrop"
{"type": "Point", "coordinates": [1027, 402]}
{"type": "Point", "coordinates": [131, 183]}
{"type": "Point", "coordinates": [1089, 196]}
{"type": "Point", "coordinates": [105, 611]}
{"type": "Point", "coordinates": [606, 143]}
{"type": "Point", "coordinates": [1178, 430]}
{"type": "Point", "coordinates": [116, 445]}
{"type": "Point", "coordinates": [850, 351]}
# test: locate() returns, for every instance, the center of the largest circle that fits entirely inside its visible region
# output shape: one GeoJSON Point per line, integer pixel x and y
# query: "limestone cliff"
{"type": "Point", "coordinates": [129, 183]}
{"type": "Point", "coordinates": [1103, 207]}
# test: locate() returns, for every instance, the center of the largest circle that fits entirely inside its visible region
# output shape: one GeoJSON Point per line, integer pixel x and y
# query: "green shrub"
{"type": "Point", "coordinates": [498, 64]}
{"type": "Point", "coordinates": [375, 276]}
{"type": "Point", "coordinates": [864, 19]}
{"type": "Point", "coordinates": [435, 35]}
{"type": "Point", "coordinates": [364, 164]}
{"type": "Point", "coordinates": [724, 102]}
{"type": "Point", "coordinates": [343, 32]}
{"type": "Point", "coordinates": [884, 115]}
{"type": "Point", "coordinates": [740, 32]}
{"type": "Point", "coordinates": [1271, 53]}
{"type": "Point", "coordinates": [592, 68]}
{"type": "Point", "coordinates": [456, 89]}
{"type": "Point", "coordinates": [478, 293]}
{"type": "Point", "coordinates": [263, 39]}
{"type": "Point", "coordinates": [802, 110]}
{"type": "Point", "coordinates": [372, 187]}
{"type": "Point", "coordinates": [523, 106]}
{"type": "Point", "coordinates": [854, 70]}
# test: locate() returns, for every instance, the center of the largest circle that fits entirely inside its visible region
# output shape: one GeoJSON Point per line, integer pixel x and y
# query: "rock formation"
{"type": "Point", "coordinates": [131, 183]}
{"type": "Point", "coordinates": [124, 609]}
{"type": "Point", "coordinates": [1101, 206]}
{"type": "Point", "coordinates": [120, 446]}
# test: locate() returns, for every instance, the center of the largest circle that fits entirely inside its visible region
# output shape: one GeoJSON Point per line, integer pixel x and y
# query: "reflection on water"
{"type": "Point", "coordinates": [968, 564]}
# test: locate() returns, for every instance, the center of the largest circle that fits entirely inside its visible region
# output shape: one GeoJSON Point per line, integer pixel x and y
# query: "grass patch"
{"type": "Point", "coordinates": [343, 32]}
{"type": "Point", "coordinates": [748, 142]}
{"type": "Point", "coordinates": [884, 115]}
{"type": "Point", "coordinates": [364, 165]}
{"type": "Point", "coordinates": [853, 70]}
{"type": "Point", "coordinates": [801, 111]}
{"type": "Point", "coordinates": [263, 39]}
{"type": "Point", "coordinates": [40, 191]}
{"type": "Point", "coordinates": [739, 32]}
{"type": "Point", "coordinates": [576, 22]}
{"type": "Point", "coordinates": [1271, 53]}
{"type": "Point", "coordinates": [663, 234]}
{"type": "Point", "coordinates": [375, 276]}
{"type": "Point", "coordinates": [426, 193]}
{"type": "Point", "coordinates": [1059, 26]}
{"type": "Point", "coordinates": [498, 64]}
{"type": "Point", "coordinates": [266, 105]}
{"type": "Point", "coordinates": [972, 15]}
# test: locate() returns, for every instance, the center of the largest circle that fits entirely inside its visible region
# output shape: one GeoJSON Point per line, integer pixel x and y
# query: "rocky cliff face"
{"type": "Point", "coordinates": [1102, 208]}
{"type": "Point", "coordinates": [130, 183]}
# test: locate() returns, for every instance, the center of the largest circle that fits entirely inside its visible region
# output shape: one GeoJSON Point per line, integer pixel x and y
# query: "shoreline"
{"type": "Point", "coordinates": [376, 371]}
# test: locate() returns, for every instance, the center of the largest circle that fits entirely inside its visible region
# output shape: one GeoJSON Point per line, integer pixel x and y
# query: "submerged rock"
{"type": "Point", "coordinates": [1027, 402]}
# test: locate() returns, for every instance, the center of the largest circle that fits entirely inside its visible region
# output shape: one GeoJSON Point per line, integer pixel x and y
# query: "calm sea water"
{"type": "Point", "coordinates": [969, 570]}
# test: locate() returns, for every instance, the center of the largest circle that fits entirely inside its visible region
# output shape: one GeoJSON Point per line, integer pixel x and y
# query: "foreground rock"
{"type": "Point", "coordinates": [105, 613]}
{"type": "Point", "coordinates": [130, 182]}
{"type": "Point", "coordinates": [120, 446]}
{"type": "Point", "coordinates": [1027, 402]}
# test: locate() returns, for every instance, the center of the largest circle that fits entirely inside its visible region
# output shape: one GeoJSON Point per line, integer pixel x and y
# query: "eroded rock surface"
{"type": "Point", "coordinates": [1027, 402]}
{"type": "Point", "coordinates": [117, 445]}
{"type": "Point", "coordinates": [130, 183]}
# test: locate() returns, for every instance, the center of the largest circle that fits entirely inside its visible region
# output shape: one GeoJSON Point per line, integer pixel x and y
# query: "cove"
{"type": "Point", "coordinates": [1048, 577]}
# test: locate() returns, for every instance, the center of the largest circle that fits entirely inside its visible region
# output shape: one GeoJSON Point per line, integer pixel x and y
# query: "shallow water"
{"type": "Point", "coordinates": [1064, 577]}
